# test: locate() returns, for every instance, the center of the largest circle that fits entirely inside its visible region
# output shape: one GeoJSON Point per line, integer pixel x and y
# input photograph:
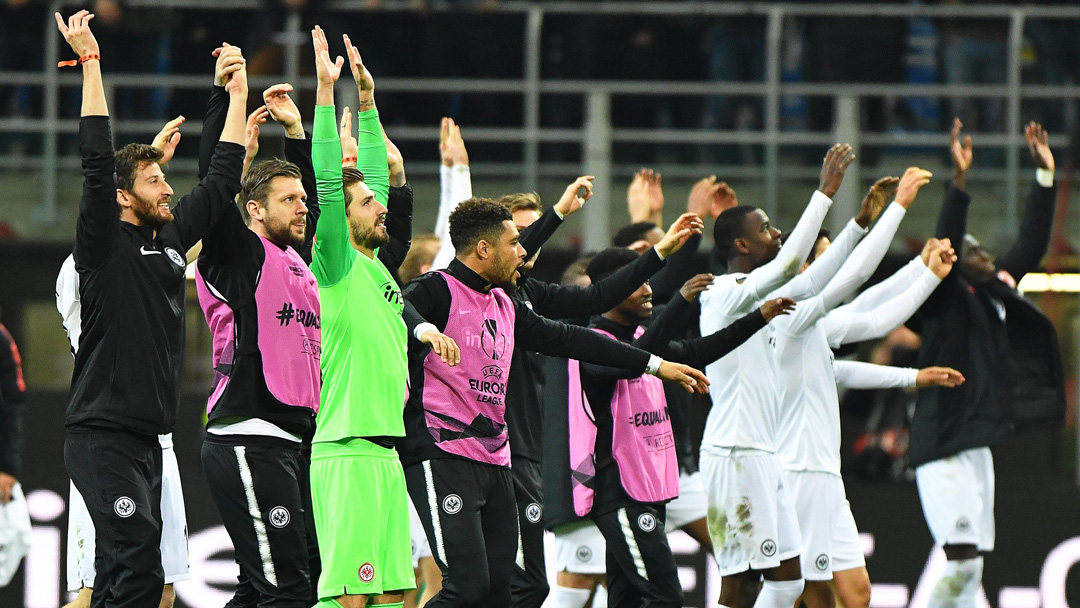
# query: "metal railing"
{"type": "Point", "coordinates": [597, 135]}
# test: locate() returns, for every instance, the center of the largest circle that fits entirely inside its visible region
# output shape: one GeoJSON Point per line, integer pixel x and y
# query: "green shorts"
{"type": "Point", "coordinates": [361, 519]}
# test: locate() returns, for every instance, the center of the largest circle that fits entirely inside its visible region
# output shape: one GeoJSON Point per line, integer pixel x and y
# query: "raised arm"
{"type": "Point", "coordinates": [536, 234]}
{"type": "Point", "coordinates": [229, 59]}
{"type": "Point", "coordinates": [952, 222]}
{"type": "Point", "coordinates": [1035, 228]}
{"type": "Point", "coordinates": [298, 152]}
{"type": "Point", "coordinates": [456, 186]}
{"type": "Point", "coordinates": [97, 227]}
{"type": "Point", "coordinates": [399, 211]}
{"type": "Point", "coordinates": [371, 157]}
{"type": "Point", "coordinates": [856, 322]}
{"type": "Point", "coordinates": [332, 254]}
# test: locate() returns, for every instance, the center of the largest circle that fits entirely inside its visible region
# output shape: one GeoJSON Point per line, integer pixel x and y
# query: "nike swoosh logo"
{"type": "Point", "coordinates": [145, 251]}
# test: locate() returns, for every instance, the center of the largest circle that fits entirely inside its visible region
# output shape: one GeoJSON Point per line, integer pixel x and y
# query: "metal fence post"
{"type": "Point", "coordinates": [291, 47]}
{"type": "Point", "coordinates": [531, 147]}
{"type": "Point", "coordinates": [50, 165]}
{"type": "Point", "coordinates": [1012, 122]}
{"type": "Point", "coordinates": [773, 31]}
{"type": "Point", "coordinates": [597, 156]}
{"type": "Point", "coordinates": [846, 129]}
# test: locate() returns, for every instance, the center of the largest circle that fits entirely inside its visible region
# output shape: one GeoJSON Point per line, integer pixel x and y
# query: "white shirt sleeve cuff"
{"type": "Point", "coordinates": [561, 216]}
{"type": "Point", "coordinates": [911, 377]}
{"type": "Point", "coordinates": [1044, 177]}
{"type": "Point", "coordinates": [658, 254]}
{"type": "Point", "coordinates": [654, 365]}
{"type": "Point", "coordinates": [821, 198]}
{"type": "Point", "coordinates": [423, 328]}
{"type": "Point", "coordinates": [853, 225]}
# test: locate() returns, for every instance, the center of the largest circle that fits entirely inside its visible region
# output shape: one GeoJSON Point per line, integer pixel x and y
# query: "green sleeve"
{"type": "Point", "coordinates": [371, 154]}
{"type": "Point", "coordinates": [332, 254]}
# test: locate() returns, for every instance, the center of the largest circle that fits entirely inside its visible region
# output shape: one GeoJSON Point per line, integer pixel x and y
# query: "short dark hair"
{"type": "Point", "coordinates": [729, 226]}
{"type": "Point", "coordinates": [477, 219]}
{"type": "Point", "coordinates": [522, 200]}
{"type": "Point", "coordinates": [255, 186]}
{"type": "Point", "coordinates": [608, 261]}
{"type": "Point", "coordinates": [577, 268]}
{"type": "Point", "coordinates": [130, 159]}
{"type": "Point", "coordinates": [350, 176]}
{"type": "Point", "coordinates": [628, 235]}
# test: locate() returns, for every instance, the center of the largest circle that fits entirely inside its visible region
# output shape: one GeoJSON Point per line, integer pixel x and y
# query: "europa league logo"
{"type": "Point", "coordinates": [491, 341]}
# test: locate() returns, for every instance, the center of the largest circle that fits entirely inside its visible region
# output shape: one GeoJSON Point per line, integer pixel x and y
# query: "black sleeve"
{"type": "Point", "coordinates": [97, 228]}
{"type": "Point", "coordinates": [10, 409]}
{"type": "Point", "coordinates": [952, 224]}
{"type": "Point", "coordinates": [197, 212]}
{"type": "Point", "coordinates": [213, 123]}
{"type": "Point", "coordinates": [1034, 236]}
{"type": "Point", "coordinates": [533, 332]}
{"type": "Point", "coordinates": [298, 152]}
{"type": "Point", "coordinates": [399, 219]}
{"type": "Point", "coordinates": [572, 302]}
{"type": "Point", "coordinates": [665, 325]}
{"type": "Point", "coordinates": [427, 297]}
{"type": "Point", "coordinates": [679, 270]}
{"type": "Point", "coordinates": [700, 352]}
{"type": "Point", "coordinates": [534, 237]}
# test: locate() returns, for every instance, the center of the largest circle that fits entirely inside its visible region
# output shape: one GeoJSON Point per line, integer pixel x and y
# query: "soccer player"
{"type": "Point", "coordinates": [125, 388]}
{"type": "Point", "coordinates": [738, 461]}
{"type": "Point", "coordinates": [976, 321]}
{"type": "Point", "coordinates": [357, 484]}
{"type": "Point", "coordinates": [456, 451]}
{"type": "Point", "coordinates": [627, 441]}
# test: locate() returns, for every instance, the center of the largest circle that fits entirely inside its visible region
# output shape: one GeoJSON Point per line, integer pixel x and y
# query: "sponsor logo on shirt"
{"type": "Point", "coordinates": [143, 250]}
{"type": "Point", "coordinates": [392, 294]}
{"type": "Point", "coordinates": [311, 347]}
{"type": "Point", "coordinates": [289, 313]}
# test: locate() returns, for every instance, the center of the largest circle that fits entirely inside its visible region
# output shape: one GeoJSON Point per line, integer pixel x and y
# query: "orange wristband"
{"type": "Point", "coordinates": [79, 61]}
{"type": "Point", "coordinates": [348, 159]}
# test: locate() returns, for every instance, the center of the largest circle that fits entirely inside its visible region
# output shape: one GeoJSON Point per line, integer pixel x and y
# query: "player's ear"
{"type": "Point", "coordinates": [742, 246]}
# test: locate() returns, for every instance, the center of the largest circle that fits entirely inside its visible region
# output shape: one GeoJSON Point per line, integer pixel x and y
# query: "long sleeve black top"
{"type": "Point", "coordinates": [1004, 346]}
{"type": "Point", "coordinates": [132, 289]}
{"type": "Point", "coordinates": [12, 391]}
{"type": "Point", "coordinates": [430, 300]}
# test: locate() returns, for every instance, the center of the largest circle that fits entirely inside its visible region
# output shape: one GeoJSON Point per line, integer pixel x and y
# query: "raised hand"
{"type": "Point", "coordinates": [832, 169]}
{"type": "Point", "coordinates": [961, 153]}
{"type": "Point", "coordinates": [251, 134]}
{"type": "Point", "coordinates": [695, 286]}
{"type": "Point", "coordinates": [364, 82]}
{"type": "Point", "coordinates": [938, 376]}
{"type": "Point", "coordinates": [451, 145]}
{"type": "Point", "coordinates": [645, 196]}
{"type": "Point", "coordinates": [570, 201]}
{"type": "Point", "coordinates": [1039, 145]}
{"type": "Point", "coordinates": [77, 33]}
{"type": "Point", "coordinates": [876, 199]}
{"type": "Point", "coordinates": [167, 139]}
{"type": "Point", "coordinates": [230, 60]}
{"type": "Point", "coordinates": [725, 199]}
{"type": "Point", "coordinates": [349, 149]}
{"type": "Point", "coordinates": [395, 162]}
{"type": "Point", "coordinates": [679, 233]}
{"type": "Point", "coordinates": [283, 110]}
{"type": "Point", "coordinates": [939, 257]}
{"type": "Point", "coordinates": [327, 72]}
{"type": "Point", "coordinates": [777, 307]}
{"type": "Point", "coordinates": [691, 379]}
{"type": "Point", "coordinates": [701, 196]}
{"type": "Point", "coordinates": [913, 179]}
{"type": "Point", "coordinates": [443, 346]}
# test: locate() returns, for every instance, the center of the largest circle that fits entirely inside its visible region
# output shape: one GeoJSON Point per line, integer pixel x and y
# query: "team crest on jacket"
{"type": "Point", "coordinates": [124, 507]}
{"type": "Point", "coordinates": [279, 517]}
{"type": "Point", "coordinates": [366, 572]}
{"type": "Point", "coordinates": [175, 256]}
{"type": "Point", "coordinates": [491, 341]}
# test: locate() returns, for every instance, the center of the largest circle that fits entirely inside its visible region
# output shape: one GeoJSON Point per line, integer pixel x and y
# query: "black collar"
{"type": "Point", "coordinates": [625, 333]}
{"type": "Point", "coordinates": [146, 232]}
{"type": "Point", "coordinates": [466, 275]}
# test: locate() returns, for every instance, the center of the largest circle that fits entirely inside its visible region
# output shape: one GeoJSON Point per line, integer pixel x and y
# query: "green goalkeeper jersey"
{"type": "Point", "coordinates": [364, 339]}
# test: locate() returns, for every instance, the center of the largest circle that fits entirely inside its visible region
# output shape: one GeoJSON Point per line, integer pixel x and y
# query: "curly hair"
{"type": "Point", "coordinates": [608, 261]}
{"type": "Point", "coordinates": [130, 159]}
{"type": "Point", "coordinates": [475, 220]}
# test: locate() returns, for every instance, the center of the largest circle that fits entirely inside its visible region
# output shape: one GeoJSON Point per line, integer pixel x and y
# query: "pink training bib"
{"type": "Point", "coordinates": [464, 406]}
{"type": "Point", "coordinates": [642, 443]}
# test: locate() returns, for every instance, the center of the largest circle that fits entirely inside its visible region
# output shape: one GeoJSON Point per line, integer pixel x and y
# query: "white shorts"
{"type": "Point", "coordinates": [690, 505]}
{"type": "Point", "coordinates": [752, 519]}
{"type": "Point", "coordinates": [821, 505]}
{"type": "Point", "coordinates": [580, 548]}
{"type": "Point", "coordinates": [174, 532]}
{"type": "Point", "coordinates": [420, 546]}
{"type": "Point", "coordinates": [957, 495]}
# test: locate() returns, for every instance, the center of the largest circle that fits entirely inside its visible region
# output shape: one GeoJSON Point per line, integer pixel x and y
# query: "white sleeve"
{"type": "Point", "coordinates": [813, 280]}
{"type": "Point", "coordinates": [866, 257]}
{"type": "Point", "coordinates": [848, 324]}
{"type": "Point", "coordinates": [887, 289]}
{"type": "Point", "coordinates": [748, 289]}
{"type": "Point", "coordinates": [861, 375]}
{"type": "Point", "coordinates": [67, 301]}
{"type": "Point", "coordinates": [455, 186]}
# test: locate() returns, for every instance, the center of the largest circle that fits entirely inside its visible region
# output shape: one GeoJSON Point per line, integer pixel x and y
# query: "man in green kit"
{"type": "Point", "coordinates": [357, 485]}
